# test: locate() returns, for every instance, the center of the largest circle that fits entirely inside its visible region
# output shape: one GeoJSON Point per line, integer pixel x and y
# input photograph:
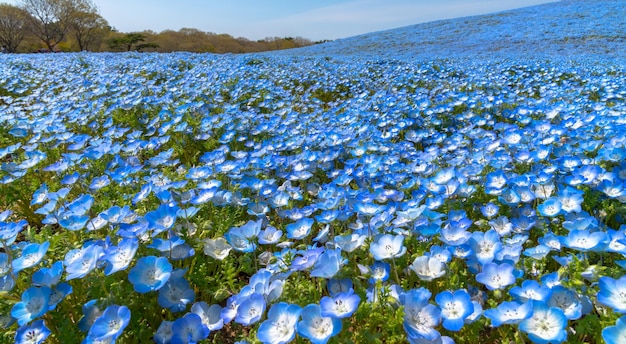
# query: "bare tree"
{"type": "Point", "coordinates": [13, 23]}
{"type": "Point", "coordinates": [50, 19]}
{"type": "Point", "coordinates": [87, 27]}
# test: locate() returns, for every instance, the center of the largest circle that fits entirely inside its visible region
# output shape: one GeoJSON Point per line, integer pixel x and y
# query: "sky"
{"type": "Point", "coordinates": [312, 19]}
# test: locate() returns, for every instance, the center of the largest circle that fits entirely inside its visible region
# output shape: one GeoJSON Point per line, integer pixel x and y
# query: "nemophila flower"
{"type": "Point", "coordinates": [300, 229]}
{"type": "Point", "coordinates": [240, 238]}
{"type": "Point", "coordinates": [328, 264]}
{"type": "Point", "coordinates": [350, 242]}
{"type": "Point", "coordinates": [31, 255]}
{"type": "Point", "coordinates": [367, 208]}
{"type": "Point", "coordinates": [111, 323]}
{"type": "Point", "coordinates": [99, 182]}
{"type": "Point", "coordinates": [116, 214]}
{"type": "Point", "coordinates": [485, 245]}
{"type": "Point", "coordinates": [585, 240]}
{"type": "Point", "coordinates": [33, 305]}
{"type": "Point", "coordinates": [455, 307]}
{"type": "Point", "coordinates": [79, 262]}
{"type": "Point", "coordinates": [420, 317]}
{"type": "Point", "coordinates": [379, 272]}
{"type": "Point", "coordinates": [280, 326]}
{"type": "Point", "coordinates": [428, 268]}
{"type": "Point", "coordinates": [306, 259]}
{"type": "Point", "coordinates": [567, 300]}
{"type": "Point", "coordinates": [210, 315]}
{"type": "Point", "coordinates": [388, 246]}
{"type": "Point", "coordinates": [250, 310]}
{"type": "Point", "coordinates": [317, 328]}
{"type": "Point", "coordinates": [612, 293]}
{"type": "Point", "coordinates": [489, 210]}
{"type": "Point", "coordinates": [188, 329]}
{"type": "Point", "coordinates": [495, 182]}
{"type": "Point", "coordinates": [40, 195]}
{"type": "Point", "coordinates": [509, 313]}
{"type": "Point", "coordinates": [453, 235]}
{"type": "Point", "coordinates": [615, 334]}
{"type": "Point", "coordinates": [91, 312]}
{"type": "Point", "coordinates": [501, 225]}
{"type": "Point", "coordinates": [270, 235]}
{"type": "Point", "coordinates": [176, 293]}
{"type": "Point", "coordinates": [119, 257]}
{"type": "Point", "coordinates": [217, 248]}
{"type": "Point", "coordinates": [613, 188]}
{"type": "Point", "coordinates": [538, 252]}
{"type": "Point", "coordinates": [35, 333]}
{"type": "Point", "coordinates": [571, 199]}
{"type": "Point", "coordinates": [530, 290]}
{"type": "Point", "coordinates": [173, 248]}
{"type": "Point", "coordinates": [495, 276]}
{"type": "Point", "coordinates": [545, 325]}
{"type": "Point", "coordinates": [5, 265]}
{"type": "Point", "coordinates": [509, 197]}
{"type": "Point", "coordinates": [341, 305]}
{"type": "Point", "coordinates": [150, 273]}
{"type": "Point", "coordinates": [162, 219]}
{"type": "Point", "coordinates": [550, 207]}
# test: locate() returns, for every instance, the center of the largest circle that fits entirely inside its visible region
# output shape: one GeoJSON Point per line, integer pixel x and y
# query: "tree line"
{"type": "Point", "coordinates": [76, 25]}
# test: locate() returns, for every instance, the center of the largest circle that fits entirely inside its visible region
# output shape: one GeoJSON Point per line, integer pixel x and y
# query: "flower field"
{"type": "Point", "coordinates": [182, 198]}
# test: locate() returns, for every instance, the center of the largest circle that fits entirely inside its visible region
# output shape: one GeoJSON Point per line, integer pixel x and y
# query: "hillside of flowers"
{"type": "Point", "coordinates": [571, 28]}
{"type": "Point", "coordinates": [182, 198]}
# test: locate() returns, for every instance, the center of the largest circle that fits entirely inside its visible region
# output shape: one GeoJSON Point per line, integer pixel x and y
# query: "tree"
{"type": "Point", "coordinates": [52, 19]}
{"type": "Point", "coordinates": [130, 41]}
{"type": "Point", "coordinates": [13, 24]}
{"type": "Point", "coordinates": [86, 24]}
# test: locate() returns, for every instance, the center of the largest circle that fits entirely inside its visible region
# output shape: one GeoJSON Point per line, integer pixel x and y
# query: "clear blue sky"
{"type": "Point", "coordinates": [313, 19]}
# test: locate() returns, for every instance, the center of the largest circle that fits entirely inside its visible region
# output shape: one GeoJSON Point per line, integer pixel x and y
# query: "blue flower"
{"type": "Point", "coordinates": [280, 326]}
{"type": "Point", "coordinates": [91, 312]}
{"type": "Point", "coordinates": [150, 273]}
{"type": "Point", "coordinates": [420, 317]}
{"type": "Point", "coordinates": [188, 329]}
{"type": "Point", "coordinates": [388, 246]}
{"type": "Point", "coordinates": [485, 245]}
{"type": "Point", "coordinates": [211, 316]}
{"type": "Point", "coordinates": [110, 324]}
{"type": "Point", "coordinates": [585, 240]}
{"type": "Point", "coordinates": [33, 305]}
{"type": "Point", "coordinates": [545, 325]}
{"type": "Point", "coordinates": [250, 310]}
{"type": "Point", "coordinates": [162, 219]}
{"type": "Point", "coordinates": [300, 229]}
{"type": "Point", "coordinates": [176, 293]}
{"type": "Point", "coordinates": [530, 290]}
{"type": "Point", "coordinates": [119, 257]}
{"type": "Point", "coordinates": [550, 207]}
{"type": "Point", "coordinates": [240, 238]}
{"type": "Point", "coordinates": [35, 333]}
{"type": "Point", "coordinates": [31, 255]}
{"type": "Point", "coordinates": [164, 333]}
{"type": "Point", "coordinates": [615, 334]}
{"type": "Point", "coordinates": [612, 293]}
{"type": "Point", "coordinates": [80, 262]}
{"type": "Point", "coordinates": [317, 328]}
{"type": "Point", "coordinates": [495, 276]}
{"type": "Point", "coordinates": [567, 300]}
{"type": "Point", "coordinates": [455, 307]}
{"type": "Point", "coordinates": [328, 264]}
{"type": "Point", "coordinates": [341, 305]}
{"type": "Point", "coordinates": [509, 312]}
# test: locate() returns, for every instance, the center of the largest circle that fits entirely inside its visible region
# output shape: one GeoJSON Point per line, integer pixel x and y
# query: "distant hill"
{"type": "Point", "coordinates": [569, 28]}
